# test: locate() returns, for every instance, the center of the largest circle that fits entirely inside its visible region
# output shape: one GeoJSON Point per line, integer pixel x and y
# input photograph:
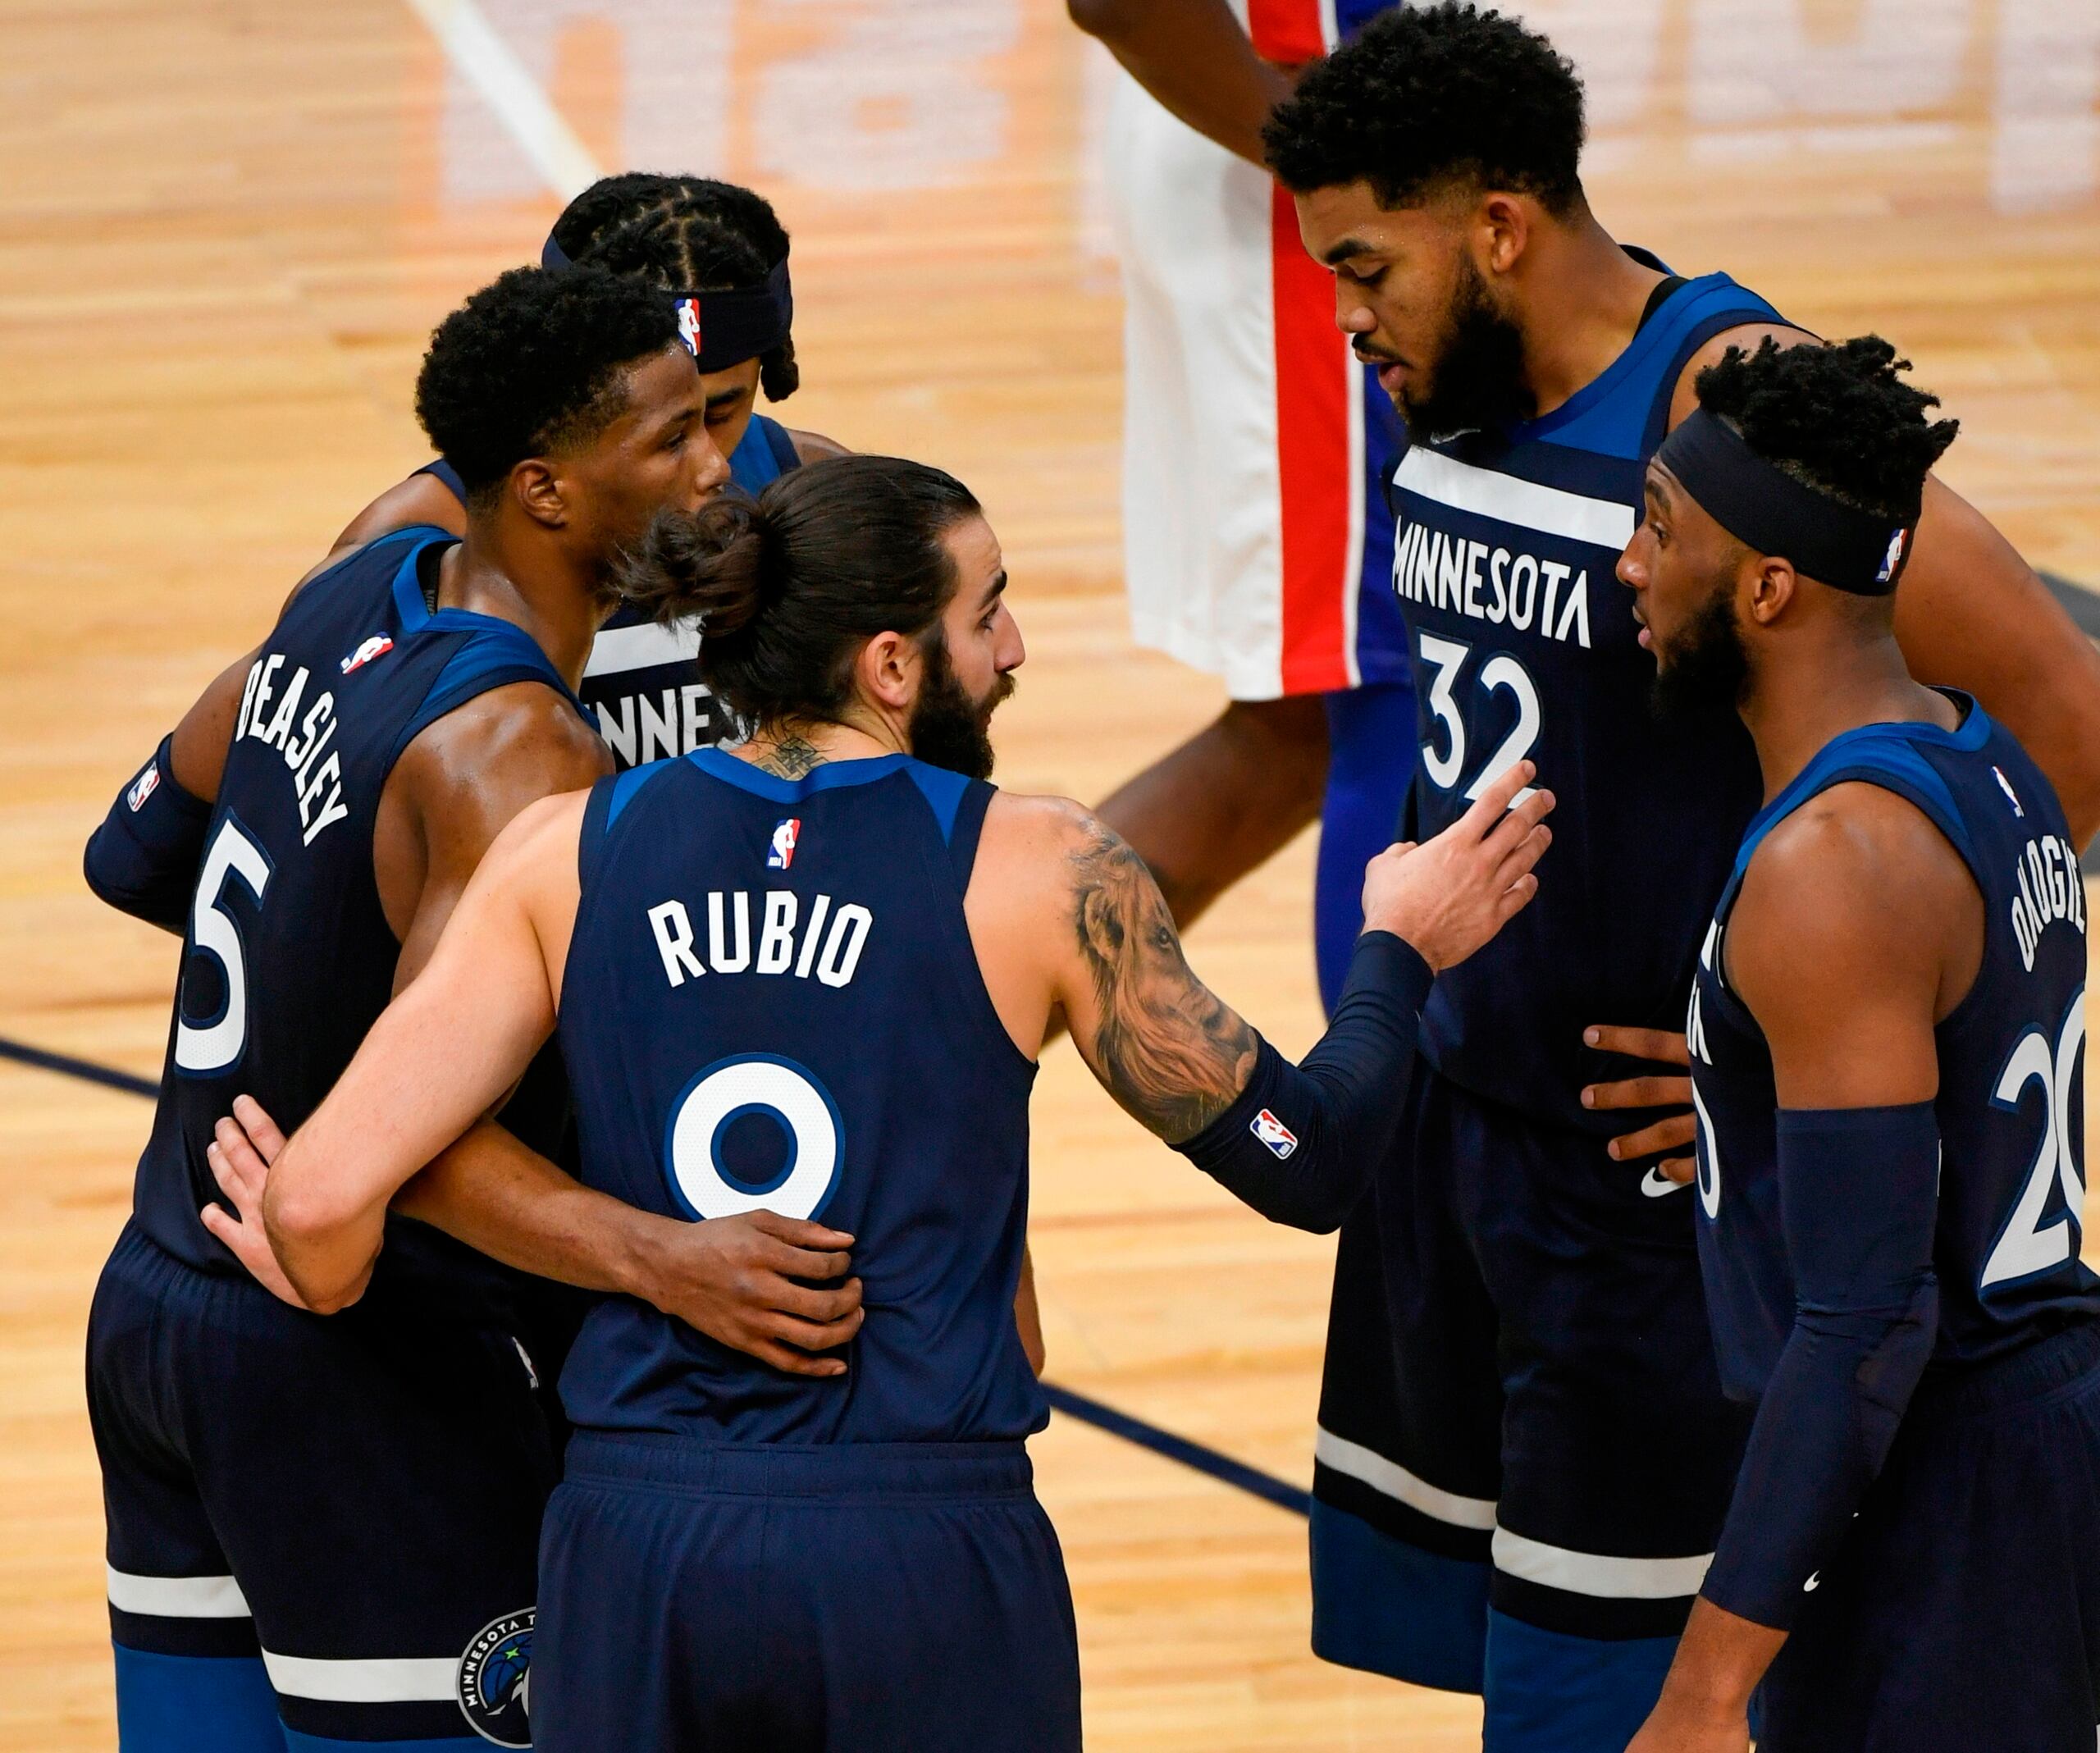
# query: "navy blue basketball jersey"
{"type": "Point", "coordinates": [641, 682]}
{"type": "Point", "coordinates": [772, 1001]}
{"type": "Point", "coordinates": [2011, 1107]}
{"type": "Point", "coordinates": [288, 958]}
{"type": "Point", "coordinates": [1524, 643]}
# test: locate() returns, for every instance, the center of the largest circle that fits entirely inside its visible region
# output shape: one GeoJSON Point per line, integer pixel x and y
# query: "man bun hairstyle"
{"type": "Point", "coordinates": [1430, 98]}
{"type": "Point", "coordinates": [789, 587]}
{"type": "Point", "coordinates": [535, 363]}
{"type": "Point", "coordinates": [1837, 417]}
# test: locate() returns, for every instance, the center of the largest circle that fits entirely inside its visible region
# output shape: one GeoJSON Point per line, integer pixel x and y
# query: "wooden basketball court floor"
{"type": "Point", "coordinates": [225, 229]}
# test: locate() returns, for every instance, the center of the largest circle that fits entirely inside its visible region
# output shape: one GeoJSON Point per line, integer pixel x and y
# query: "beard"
{"type": "Point", "coordinates": [948, 728]}
{"type": "Point", "coordinates": [1476, 381]}
{"type": "Point", "coordinates": [1703, 672]}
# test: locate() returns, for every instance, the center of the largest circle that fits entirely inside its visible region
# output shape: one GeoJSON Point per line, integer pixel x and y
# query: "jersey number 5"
{"type": "Point", "coordinates": [2026, 1247]}
{"type": "Point", "coordinates": [1447, 657]}
{"type": "Point", "coordinates": [202, 1048]}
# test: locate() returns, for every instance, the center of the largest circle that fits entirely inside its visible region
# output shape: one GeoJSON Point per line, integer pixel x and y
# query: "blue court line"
{"type": "Point", "coordinates": [1221, 1467]}
{"type": "Point", "coordinates": [86, 1070]}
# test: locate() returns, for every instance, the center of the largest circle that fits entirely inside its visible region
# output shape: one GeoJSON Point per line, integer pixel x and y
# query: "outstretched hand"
{"type": "Point", "coordinates": [243, 1146]}
{"type": "Point", "coordinates": [1450, 895]}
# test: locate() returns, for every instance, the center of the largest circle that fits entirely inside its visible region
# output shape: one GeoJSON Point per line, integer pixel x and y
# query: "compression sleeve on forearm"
{"type": "Point", "coordinates": [1859, 1196]}
{"type": "Point", "coordinates": [1300, 1142]}
{"type": "Point", "coordinates": [143, 860]}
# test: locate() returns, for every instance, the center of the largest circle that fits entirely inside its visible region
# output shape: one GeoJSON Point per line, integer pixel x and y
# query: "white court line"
{"type": "Point", "coordinates": [485, 62]}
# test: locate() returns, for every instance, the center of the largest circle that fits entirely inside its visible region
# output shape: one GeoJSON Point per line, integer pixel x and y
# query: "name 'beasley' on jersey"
{"type": "Point", "coordinates": [356, 667]}
{"type": "Point", "coordinates": [2011, 1107]}
{"type": "Point", "coordinates": [1525, 647]}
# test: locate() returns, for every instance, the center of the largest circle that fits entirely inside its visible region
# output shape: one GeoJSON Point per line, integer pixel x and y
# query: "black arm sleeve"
{"type": "Point", "coordinates": [1300, 1143]}
{"type": "Point", "coordinates": [143, 860]}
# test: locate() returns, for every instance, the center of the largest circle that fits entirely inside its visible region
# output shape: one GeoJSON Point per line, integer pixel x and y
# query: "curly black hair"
{"type": "Point", "coordinates": [1427, 97]}
{"type": "Point", "coordinates": [1837, 418]}
{"type": "Point", "coordinates": [534, 362]}
{"type": "Point", "coordinates": [607, 202]}
{"type": "Point", "coordinates": [708, 237]}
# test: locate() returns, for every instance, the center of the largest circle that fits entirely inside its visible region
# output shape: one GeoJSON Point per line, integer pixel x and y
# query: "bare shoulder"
{"type": "Point", "coordinates": [504, 749]}
{"type": "Point", "coordinates": [813, 447]}
{"type": "Point", "coordinates": [1854, 889]}
{"type": "Point", "coordinates": [1749, 336]}
{"type": "Point", "coordinates": [420, 498]}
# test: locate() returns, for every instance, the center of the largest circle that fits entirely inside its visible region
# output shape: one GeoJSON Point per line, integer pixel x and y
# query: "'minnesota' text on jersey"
{"type": "Point", "coordinates": [1505, 548]}
{"type": "Point", "coordinates": [2011, 1107]}
{"type": "Point", "coordinates": [771, 1000]}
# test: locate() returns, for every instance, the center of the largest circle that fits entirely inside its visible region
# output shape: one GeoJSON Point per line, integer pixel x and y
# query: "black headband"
{"type": "Point", "coordinates": [1761, 506]}
{"type": "Point", "coordinates": [721, 329]}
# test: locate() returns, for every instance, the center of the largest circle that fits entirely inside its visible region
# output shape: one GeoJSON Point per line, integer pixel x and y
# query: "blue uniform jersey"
{"type": "Point", "coordinates": [640, 683]}
{"type": "Point", "coordinates": [2010, 1107]}
{"type": "Point", "coordinates": [1524, 645]}
{"type": "Point", "coordinates": [771, 1000]}
{"type": "Point", "coordinates": [288, 958]}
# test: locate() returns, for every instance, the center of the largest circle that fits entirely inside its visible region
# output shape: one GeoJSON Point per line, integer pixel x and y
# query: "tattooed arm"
{"type": "Point", "coordinates": [1298, 1142]}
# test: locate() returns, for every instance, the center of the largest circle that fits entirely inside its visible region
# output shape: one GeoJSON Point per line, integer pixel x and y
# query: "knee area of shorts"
{"type": "Point", "coordinates": [195, 1704]}
{"type": "Point", "coordinates": [1549, 1691]}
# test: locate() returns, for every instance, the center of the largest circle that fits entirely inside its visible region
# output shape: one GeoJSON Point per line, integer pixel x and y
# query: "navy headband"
{"type": "Point", "coordinates": [1762, 506]}
{"type": "Point", "coordinates": [722, 329]}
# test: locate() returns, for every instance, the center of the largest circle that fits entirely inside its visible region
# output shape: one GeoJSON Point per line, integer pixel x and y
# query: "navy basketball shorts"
{"type": "Point", "coordinates": [328, 1523]}
{"type": "Point", "coordinates": [1963, 1612]}
{"type": "Point", "coordinates": [858, 1597]}
{"type": "Point", "coordinates": [1524, 1456]}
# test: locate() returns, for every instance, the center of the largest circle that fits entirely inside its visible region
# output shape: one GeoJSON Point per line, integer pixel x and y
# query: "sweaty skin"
{"type": "Point", "coordinates": [1972, 614]}
{"type": "Point", "coordinates": [1063, 919]}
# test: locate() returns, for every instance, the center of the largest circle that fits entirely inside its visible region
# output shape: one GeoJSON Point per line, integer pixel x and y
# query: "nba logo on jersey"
{"type": "Point", "coordinates": [2004, 785]}
{"type": "Point", "coordinates": [1273, 1133]}
{"type": "Point", "coordinates": [378, 645]}
{"type": "Point", "coordinates": [782, 854]}
{"type": "Point", "coordinates": [142, 787]}
{"type": "Point", "coordinates": [688, 310]}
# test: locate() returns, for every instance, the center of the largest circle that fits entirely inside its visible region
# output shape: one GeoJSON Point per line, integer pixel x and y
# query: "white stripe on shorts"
{"type": "Point", "coordinates": [1596, 1573]}
{"type": "Point", "coordinates": [1604, 523]}
{"type": "Point", "coordinates": [624, 648]}
{"type": "Point", "coordinates": [177, 1597]}
{"type": "Point", "coordinates": [382, 1680]}
{"type": "Point", "coordinates": [1394, 1481]}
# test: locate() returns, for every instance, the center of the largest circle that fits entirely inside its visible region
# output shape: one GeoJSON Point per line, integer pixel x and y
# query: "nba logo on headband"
{"type": "Point", "coordinates": [1893, 559]}
{"type": "Point", "coordinates": [688, 310]}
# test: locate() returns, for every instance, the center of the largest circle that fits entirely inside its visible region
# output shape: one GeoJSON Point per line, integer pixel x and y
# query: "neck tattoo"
{"type": "Point", "coordinates": [789, 757]}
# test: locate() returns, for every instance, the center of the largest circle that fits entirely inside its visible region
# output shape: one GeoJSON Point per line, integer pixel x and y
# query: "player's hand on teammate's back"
{"type": "Point", "coordinates": [1448, 896]}
{"type": "Point", "coordinates": [1674, 1131]}
{"type": "Point", "coordinates": [244, 1146]}
{"type": "Point", "coordinates": [736, 1280]}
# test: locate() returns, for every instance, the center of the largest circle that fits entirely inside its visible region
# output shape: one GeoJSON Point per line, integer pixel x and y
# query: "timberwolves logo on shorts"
{"type": "Point", "coordinates": [495, 1676]}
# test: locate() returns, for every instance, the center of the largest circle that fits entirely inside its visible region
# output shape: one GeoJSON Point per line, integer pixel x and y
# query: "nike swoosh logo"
{"type": "Point", "coordinates": [1813, 1583]}
{"type": "Point", "coordinates": [1657, 1185]}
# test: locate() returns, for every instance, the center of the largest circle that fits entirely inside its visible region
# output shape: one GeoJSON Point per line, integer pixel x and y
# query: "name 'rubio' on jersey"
{"type": "Point", "coordinates": [642, 682]}
{"type": "Point", "coordinates": [771, 1000]}
{"type": "Point", "coordinates": [288, 959]}
{"type": "Point", "coordinates": [1524, 645]}
{"type": "Point", "coordinates": [2010, 1107]}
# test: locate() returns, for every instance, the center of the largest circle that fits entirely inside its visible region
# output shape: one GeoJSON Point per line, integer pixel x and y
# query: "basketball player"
{"type": "Point", "coordinates": [1493, 1513]}
{"type": "Point", "coordinates": [1256, 544]}
{"type": "Point", "coordinates": [1888, 1028]}
{"type": "Point", "coordinates": [722, 245]}
{"type": "Point", "coordinates": [310, 1523]}
{"type": "Point", "coordinates": [812, 972]}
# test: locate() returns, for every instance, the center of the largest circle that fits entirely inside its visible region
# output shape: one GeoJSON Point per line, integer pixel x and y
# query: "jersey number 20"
{"type": "Point", "coordinates": [2026, 1247]}
{"type": "Point", "coordinates": [202, 1048]}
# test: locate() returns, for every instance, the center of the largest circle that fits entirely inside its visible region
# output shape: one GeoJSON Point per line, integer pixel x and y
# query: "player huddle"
{"type": "Point", "coordinates": [703, 1081]}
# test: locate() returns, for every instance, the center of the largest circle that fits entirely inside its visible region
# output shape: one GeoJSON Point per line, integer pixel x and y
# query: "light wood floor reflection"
{"type": "Point", "coordinates": [224, 234]}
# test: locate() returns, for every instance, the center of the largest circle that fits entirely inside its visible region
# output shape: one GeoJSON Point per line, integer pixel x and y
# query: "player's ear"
{"type": "Point", "coordinates": [889, 668]}
{"type": "Point", "coordinates": [1774, 587]}
{"type": "Point", "coordinates": [538, 490]}
{"type": "Point", "coordinates": [1502, 229]}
